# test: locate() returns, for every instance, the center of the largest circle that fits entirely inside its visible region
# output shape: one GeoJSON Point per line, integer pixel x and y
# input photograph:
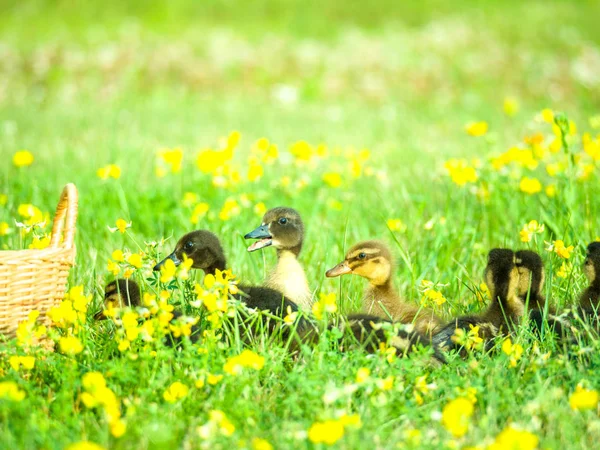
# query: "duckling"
{"type": "Point", "coordinates": [589, 299]}
{"type": "Point", "coordinates": [373, 260]}
{"type": "Point", "coordinates": [505, 309]}
{"type": "Point", "coordinates": [369, 331]}
{"type": "Point", "coordinates": [531, 281]}
{"type": "Point", "coordinates": [125, 292]}
{"type": "Point", "coordinates": [118, 294]}
{"type": "Point", "coordinates": [283, 229]}
{"type": "Point", "coordinates": [206, 252]}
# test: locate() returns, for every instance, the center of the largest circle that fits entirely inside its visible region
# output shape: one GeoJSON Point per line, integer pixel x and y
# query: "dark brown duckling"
{"type": "Point", "coordinates": [368, 331]}
{"type": "Point", "coordinates": [589, 301]}
{"type": "Point", "coordinates": [373, 260]}
{"type": "Point", "coordinates": [123, 293]}
{"type": "Point", "coordinates": [283, 229]}
{"type": "Point", "coordinates": [206, 252]}
{"type": "Point", "coordinates": [505, 309]}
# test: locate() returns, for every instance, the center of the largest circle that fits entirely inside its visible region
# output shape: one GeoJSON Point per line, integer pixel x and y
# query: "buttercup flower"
{"type": "Point", "coordinates": [476, 128]}
{"type": "Point", "coordinates": [560, 249]}
{"type": "Point", "coordinates": [175, 392]}
{"type": "Point", "coordinates": [583, 398]}
{"type": "Point", "coordinates": [456, 415]}
{"type": "Point", "coordinates": [530, 185]}
{"type": "Point", "coordinates": [23, 158]}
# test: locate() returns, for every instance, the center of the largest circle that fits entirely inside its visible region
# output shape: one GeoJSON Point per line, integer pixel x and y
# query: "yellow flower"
{"type": "Point", "coordinates": [213, 379]}
{"type": "Point", "coordinates": [396, 225]}
{"type": "Point", "coordinates": [189, 199]}
{"type": "Point", "coordinates": [261, 444]}
{"type": "Point", "coordinates": [551, 190]}
{"type": "Point", "coordinates": [199, 212]}
{"type": "Point", "coordinates": [230, 209]}
{"type": "Point", "coordinates": [560, 249]}
{"type": "Point", "coordinates": [255, 171]}
{"type": "Point", "coordinates": [260, 209]}
{"type": "Point", "coordinates": [10, 390]}
{"type": "Point", "coordinates": [175, 392]}
{"type": "Point", "coordinates": [70, 345]}
{"type": "Point", "coordinates": [220, 421]}
{"type": "Point", "coordinates": [247, 359]}
{"type": "Point", "coordinates": [565, 270]}
{"type": "Point", "coordinates": [110, 171]}
{"type": "Point", "coordinates": [167, 271]}
{"type": "Point", "coordinates": [456, 415]}
{"type": "Point", "coordinates": [333, 179]}
{"type": "Point", "coordinates": [515, 351]}
{"type": "Point", "coordinates": [460, 171]}
{"type": "Point", "coordinates": [326, 304]}
{"type": "Point", "coordinates": [135, 259]}
{"type": "Point", "coordinates": [530, 185]}
{"type": "Point", "coordinates": [117, 428]}
{"type": "Point", "coordinates": [583, 399]}
{"type": "Point", "coordinates": [4, 229]}
{"type": "Point", "coordinates": [476, 128]}
{"type": "Point", "coordinates": [531, 228]}
{"type": "Point", "coordinates": [32, 214]}
{"type": "Point", "coordinates": [40, 243]}
{"type": "Point", "coordinates": [513, 439]}
{"type": "Point", "coordinates": [121, 226]}
{"type": "Point", "coordinates": [26, 361]}
{"type": "Point", "coordinates": [22, 158]}
{"type": "Point", "coordinates": [363, 374]}
{"type": "Point", "coordinates": [118, 256]}
{"type": "Point", "coordinates": [302, 151]}
{"type": "Point", "coordinates": [113, 267]}
{"type": "Point", "coordinates": [172, 157]}
{"type": "Point", "coordinates": [328, 432]}
{"type": "Point", "coordinates": [548, 115]}
{"type": "Point", "coordinates": [84, 445]}
{"type": "Point", "coordinates": [511, 106]}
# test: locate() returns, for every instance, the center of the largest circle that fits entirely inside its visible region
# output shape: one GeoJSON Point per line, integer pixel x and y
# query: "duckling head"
{"type": "Point", "coordinates": [119, 294]}
{"type": "Point", "coordinates": [591, 265]}
{"type": "Point", "coordinates": [501, 274]}
{"type": "Point", "coordinates": [369, 259]}
{"type": "Point", "coordinates": [202, 247]}
{"type": "Point", "coordinates": [281, 228]}
{"type": "Point", "coordinates": [531, 273]}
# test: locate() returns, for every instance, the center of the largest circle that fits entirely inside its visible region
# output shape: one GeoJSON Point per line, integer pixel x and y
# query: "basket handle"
{"type": "Point", "coordinates": [65, 217]}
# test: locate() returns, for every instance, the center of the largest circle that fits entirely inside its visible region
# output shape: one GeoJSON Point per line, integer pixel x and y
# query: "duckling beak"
{"type": "Point", "coordinates": [341, 269]}
{"type": "Point", "coordinates": [173, 257]}
{"type": "Point", "coordinates": [261, 233]}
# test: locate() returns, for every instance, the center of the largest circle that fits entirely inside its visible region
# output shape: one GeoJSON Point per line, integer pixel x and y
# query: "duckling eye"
{"type": "Point", "coordinates": [362, 255]}
{"type": "Point", "coordinates": [283, 221]}
{"type": "Point", "coordinates": [188, 245]}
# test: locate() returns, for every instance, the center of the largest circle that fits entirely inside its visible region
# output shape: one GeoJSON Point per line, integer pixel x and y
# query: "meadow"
{"type": "Point", "coordinates": [444, 129]}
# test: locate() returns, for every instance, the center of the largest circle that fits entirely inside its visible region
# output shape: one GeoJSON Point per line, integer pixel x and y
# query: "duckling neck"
{"type": "Point", "coordinates": [219, 264]}
{"type": "Point", "coordinates": [288, 278]}
{"type": "Point", "coordinates": [381, 300]}
{"type": "Point", "coordinates": [506, 308]}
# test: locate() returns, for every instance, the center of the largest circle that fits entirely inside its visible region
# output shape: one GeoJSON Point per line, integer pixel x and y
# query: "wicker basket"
{"type": "Point", "coordinates": [36, 279]}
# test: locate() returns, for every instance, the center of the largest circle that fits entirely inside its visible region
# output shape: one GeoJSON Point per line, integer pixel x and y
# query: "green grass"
{"type": "Point", "coordinates": [83, 86]}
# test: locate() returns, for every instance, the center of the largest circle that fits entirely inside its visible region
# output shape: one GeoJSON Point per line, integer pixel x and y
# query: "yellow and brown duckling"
{"type": "Point", "coordinates": [282, 228]}
{"type": "Point", "coordinates": [373, 260]}
{"type": "Point", "coordinates": [206, 252]}
{"type": "Point", "coordinates": [120, 293]}
{"type": "Point", "coordinates": [531, 279]}
{"type": "Point", "coordinates": [506, 307]}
